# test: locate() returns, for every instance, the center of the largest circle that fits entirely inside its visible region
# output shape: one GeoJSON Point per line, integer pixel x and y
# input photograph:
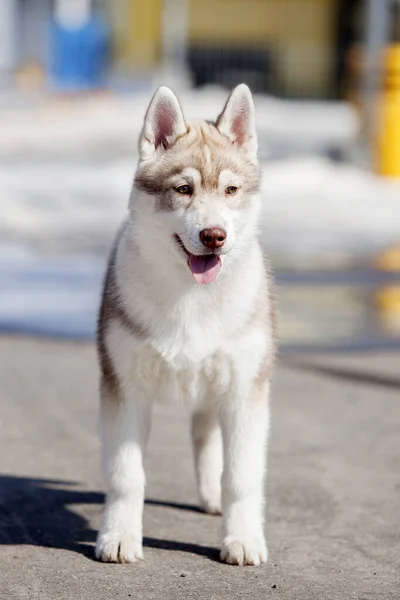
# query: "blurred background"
{"type": "Point", "coordinates": [75, 79]}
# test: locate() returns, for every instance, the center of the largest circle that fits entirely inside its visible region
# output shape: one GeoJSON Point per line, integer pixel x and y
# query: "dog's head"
{"type": "Point", "coordinates": [196, 187]}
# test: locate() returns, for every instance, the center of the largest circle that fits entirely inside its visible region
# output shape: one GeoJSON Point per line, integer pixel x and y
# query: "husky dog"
{"type": "Point", "coordinates": [186, 316]}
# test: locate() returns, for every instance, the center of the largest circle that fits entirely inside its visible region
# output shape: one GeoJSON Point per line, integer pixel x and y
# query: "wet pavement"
{"type": "Point", "coordinates": [342, 310]}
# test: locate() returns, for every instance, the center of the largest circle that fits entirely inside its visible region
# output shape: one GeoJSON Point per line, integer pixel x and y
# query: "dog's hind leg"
{"type": "Point", "coordinates": [125, 420]}
{"type": "Point", "coordinates": [207, 446]}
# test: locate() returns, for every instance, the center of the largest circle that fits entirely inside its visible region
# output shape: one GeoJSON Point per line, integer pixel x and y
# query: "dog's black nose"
{"type": "Point", "coordinates": [213, 237]}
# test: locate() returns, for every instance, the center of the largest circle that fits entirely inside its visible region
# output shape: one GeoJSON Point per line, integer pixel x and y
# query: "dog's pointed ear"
{"type": "Point", "coordinates": [237, 120]}
{"type": "Point", "coordinates": [163, 123]}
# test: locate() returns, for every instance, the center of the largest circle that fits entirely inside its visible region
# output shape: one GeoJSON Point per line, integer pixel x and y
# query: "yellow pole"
{"type": "Point", "coordinates": [388, 142]}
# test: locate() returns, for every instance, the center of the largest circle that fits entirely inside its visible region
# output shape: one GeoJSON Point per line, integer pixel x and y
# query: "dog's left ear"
{"type": "Point", "coordinates": [163, 123]}
{"type": "Point", "coordinates": [237, 120]}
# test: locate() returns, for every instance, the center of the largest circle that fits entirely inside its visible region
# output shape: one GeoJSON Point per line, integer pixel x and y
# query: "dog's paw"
{"type": "Point", "coordinates": [210, 496]}
{"type": "Point", "coordinates": [212, 506]}
{"type": "Point", "coordinates": [118, 548]}
{"type": "Point", "coordinates": [251, 551]}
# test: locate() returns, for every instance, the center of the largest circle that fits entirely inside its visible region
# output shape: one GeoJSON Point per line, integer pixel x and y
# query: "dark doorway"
{"type": "Point", "coordinates": [349, 37]}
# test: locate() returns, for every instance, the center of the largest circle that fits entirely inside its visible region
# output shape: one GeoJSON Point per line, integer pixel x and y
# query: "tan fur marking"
{"type": "Point", "coordinates": [112, 309]}
{"type": "Point", "coordinates": [263, 314]}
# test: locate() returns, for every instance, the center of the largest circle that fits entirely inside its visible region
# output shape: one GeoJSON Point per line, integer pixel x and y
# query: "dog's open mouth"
{"type": "Point", "coordinates": [205, 268]}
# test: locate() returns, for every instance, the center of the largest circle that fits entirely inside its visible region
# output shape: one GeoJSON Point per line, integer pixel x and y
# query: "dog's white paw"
{"type": "Point", "coordinates": [118, 547]}
{"type": "Point", "coordinates": [211, 505]}
{"type": "Point", "coordinates": [244, 552]}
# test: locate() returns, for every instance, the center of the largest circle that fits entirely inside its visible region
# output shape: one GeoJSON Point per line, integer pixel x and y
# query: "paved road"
{"type": "Point", "coordinates": [334, 483]}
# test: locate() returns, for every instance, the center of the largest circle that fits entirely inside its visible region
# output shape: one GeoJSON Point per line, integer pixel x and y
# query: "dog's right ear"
{"type": "Point", "coordinates": [163, 123]}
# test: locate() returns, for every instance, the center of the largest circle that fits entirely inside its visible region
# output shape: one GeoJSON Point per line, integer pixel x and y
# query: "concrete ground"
{"type": "Point", "coordinates": [333, 493]}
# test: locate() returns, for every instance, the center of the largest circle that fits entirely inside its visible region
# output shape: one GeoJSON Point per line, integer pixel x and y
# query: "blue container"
{"type": "Point", "coordinates": [78, 57]}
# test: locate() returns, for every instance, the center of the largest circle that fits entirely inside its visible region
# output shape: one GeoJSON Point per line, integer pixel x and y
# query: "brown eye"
{"type": "Point", "coordinates": [184, 190]}
{"type": "Point", "coordinates": [231, 189]}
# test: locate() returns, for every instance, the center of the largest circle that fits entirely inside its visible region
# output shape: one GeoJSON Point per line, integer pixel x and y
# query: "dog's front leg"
{"type": "Point", "coordinates": [244, 423]}
{"type": "Point", "coordinates": [125, 420]}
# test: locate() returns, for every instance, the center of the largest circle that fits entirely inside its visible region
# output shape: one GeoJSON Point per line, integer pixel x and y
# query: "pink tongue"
{"type": "Point", "coordinates": [204, 268]}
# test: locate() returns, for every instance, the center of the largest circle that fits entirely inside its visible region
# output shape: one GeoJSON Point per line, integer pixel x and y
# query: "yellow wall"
{"type": "Point", "coordinates": [300, 31]}
{"type": "Point", "coordinates": [307, 43]}
{"type": "Point", "coordinates": [231, 20]}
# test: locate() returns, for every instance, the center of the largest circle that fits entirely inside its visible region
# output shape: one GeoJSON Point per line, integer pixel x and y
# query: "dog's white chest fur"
{"type": "Point", "coordinates": [197, 347]}
{"type": "Point", "coordinates": [178, 380]}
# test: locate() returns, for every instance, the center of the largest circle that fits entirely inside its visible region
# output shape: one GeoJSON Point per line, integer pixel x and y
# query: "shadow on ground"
{"type": "Point", "coordinates": [344, 374]}
{"type": "Point", "coordinates": [38, 512]}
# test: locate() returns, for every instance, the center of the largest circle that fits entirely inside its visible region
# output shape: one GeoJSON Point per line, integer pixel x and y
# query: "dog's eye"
{"type": "Point", "coordinates": [184, 189]}
{"type": "Point", "coordinates": [231, 189]}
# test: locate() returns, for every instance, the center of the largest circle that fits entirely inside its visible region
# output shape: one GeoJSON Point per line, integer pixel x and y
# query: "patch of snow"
{"type": "Point", "coordinates": [312, 207]}
{"type": "Point", "coordinates": [66, 175]}
{"type": "Point", "coordinates": [315, 208]}
{"type": "Point", "coordinates": [115, 122]}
